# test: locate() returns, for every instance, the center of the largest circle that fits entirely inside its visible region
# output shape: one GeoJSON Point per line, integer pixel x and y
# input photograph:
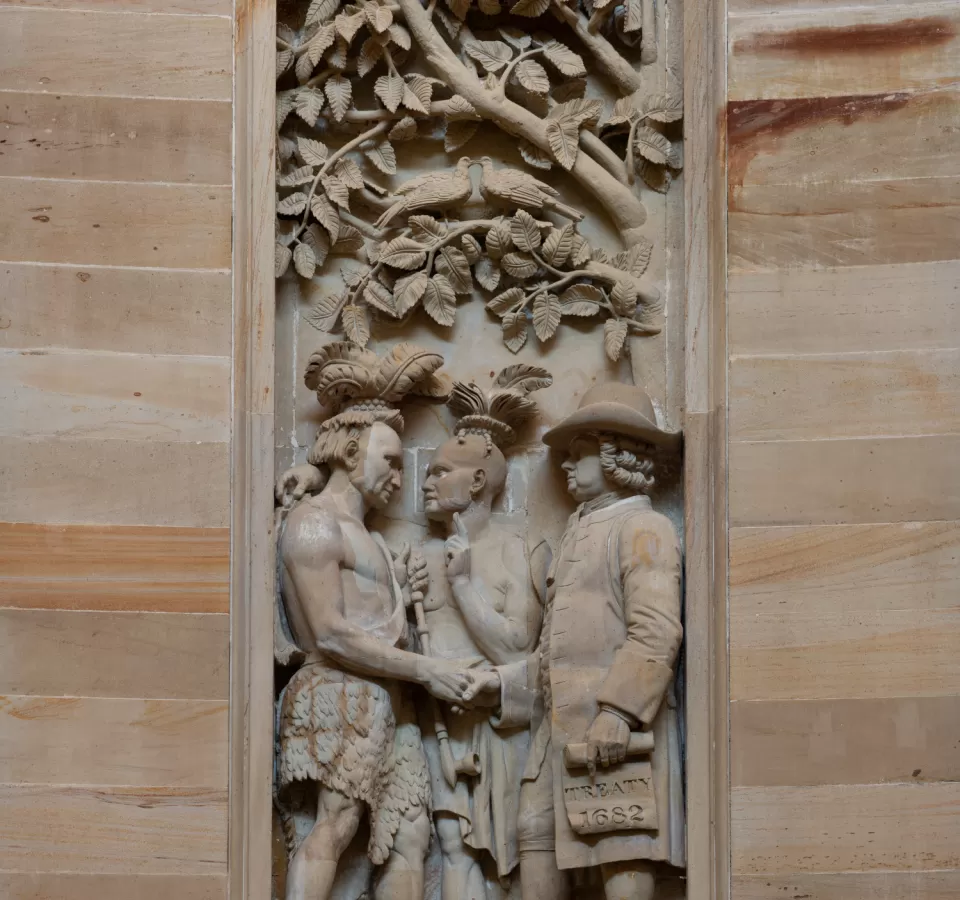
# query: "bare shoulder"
{"type": "Point", "coordinates": [312, 534]}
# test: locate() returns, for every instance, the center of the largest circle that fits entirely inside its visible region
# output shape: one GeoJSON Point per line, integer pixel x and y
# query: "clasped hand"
{"type": "Point", "coordinates": [465, 688]}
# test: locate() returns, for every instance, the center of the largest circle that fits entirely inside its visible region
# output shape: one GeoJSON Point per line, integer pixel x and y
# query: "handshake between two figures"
{"type": "Point", "coordinates": [464, 688]}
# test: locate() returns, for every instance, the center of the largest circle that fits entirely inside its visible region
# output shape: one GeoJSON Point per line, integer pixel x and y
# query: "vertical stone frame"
{"type": "Point", "coordinates": [701, 395]}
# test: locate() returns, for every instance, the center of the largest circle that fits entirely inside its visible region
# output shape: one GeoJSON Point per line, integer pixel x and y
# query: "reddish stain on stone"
{"type": "Point", "coordinates": [874, 37]}
{"type": "Point", "coordinates": [756, 126]}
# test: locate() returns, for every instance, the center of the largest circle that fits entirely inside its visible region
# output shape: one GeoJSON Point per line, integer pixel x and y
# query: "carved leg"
{"type": "Point", "coordinates": [540, 879]}
{"type": "Point", "coordinates": [629, 880]}
{"type": "Point", "coordinates": [313, 868]}
{"type": "Point", "coordinates": [462, 874]}
{"type": "Point", "coordinates": [402, 875]}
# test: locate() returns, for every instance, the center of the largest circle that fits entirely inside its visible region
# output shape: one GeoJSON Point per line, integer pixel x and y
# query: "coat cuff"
{"type": "Point", "coordinates": [635, 684]}
{"type": "Point", "coordinates": [516, 698]}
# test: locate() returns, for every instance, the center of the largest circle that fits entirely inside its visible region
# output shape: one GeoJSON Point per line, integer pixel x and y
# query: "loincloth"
{"type": "Point", "coordinates": [357, 736]}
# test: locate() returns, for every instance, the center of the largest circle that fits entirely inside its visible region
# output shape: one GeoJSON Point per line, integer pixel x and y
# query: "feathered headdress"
{"type": "Point", "coordinates": [501, 411]}
{"type": "Point", "coordinates": [350, 379]}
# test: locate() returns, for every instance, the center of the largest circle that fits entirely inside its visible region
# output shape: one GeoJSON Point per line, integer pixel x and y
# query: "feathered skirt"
{"type": "Point", "coordinates": [358, 736]}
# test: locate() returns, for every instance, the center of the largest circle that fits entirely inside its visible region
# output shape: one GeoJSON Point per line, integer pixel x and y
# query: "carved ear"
{"type": "Point", "coordinates": [479, 482]}
{"type": "Point", "coordinates": [351, 454]}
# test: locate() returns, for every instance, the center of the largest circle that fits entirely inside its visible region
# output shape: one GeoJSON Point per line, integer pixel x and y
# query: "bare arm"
{"type": "Point", "coordinates": [313, 555]}
{"type": "Point", "coordinates": [501, 636]}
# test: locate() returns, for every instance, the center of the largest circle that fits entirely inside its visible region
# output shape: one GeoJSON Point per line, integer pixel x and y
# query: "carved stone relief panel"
{"type": "Point", "coordinates": [479, 623]}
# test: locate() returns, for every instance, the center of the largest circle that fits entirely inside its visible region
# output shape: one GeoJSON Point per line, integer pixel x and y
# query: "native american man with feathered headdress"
{"type": "Point", "coordinates": [348, 741]}
{"type": "Point", "coordinates": [481, 606]}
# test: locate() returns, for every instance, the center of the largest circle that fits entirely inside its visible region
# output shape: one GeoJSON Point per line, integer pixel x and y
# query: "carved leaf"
{"type": "Point", "coordinates": [580, 255]}
{"type": "Point", "coordinates": [285, 105]}
{"type": "Point", "coordinates": [458, 134]}
{"type": "Point", "coordinates": [348, 241]}
{"type": "Point", "coordinates": [450, 24]}
{"type": "Point", "coordinates": [524, 231]}
{"type": "Point", "coordinates": [492, 55]}
{"type": "Point", "coordinates": [636, 259]}
{"type": "Point", "coordinates": [339, 92]}
{"type": "Point", "coordinates": [380, 298]}
{"type": "Point", "coordinates": [557, 246]}
{"type": "Point", "coordinates": [400, 36]}
{"type": "Point", "coordinates": [379, 17]}
{"type": "Point", "coordinates": [317, 238]}
{"type": "Point", "coordinates": [546, 316]}
{"type": "Point", "coordinates": [582, 111]}
{"type": "Point", "coordinates": [426, 227]}
{"type": "Point", "coordinates": [336, 191]}
{"type": "Point", "coordinates": [337, 58]}
{"type": "Point", "coordinates": [535, 156]}
{"type": "Point", "coordinates": [498, 241]}
{"type": "Point", "coordinates": [284, 61]}
{"type": "Point", "coordinates": [487, 273]}
{"type": "Point", "coordinates": [503, 303]}
{"type": "Point", "coordinates": [321, 42]}
{"type": "Point", "coordinates": [383, 157]}
{"type": "Point", "coordinates": [309, 104]}
{"type": "Point", "coordinates": [490, 7]}
{"type": "Point", "coordinates": [581, 300]}
{"type": "Point", "coordinates": [326, 214]}
{"type": "Point", "coordinates": [349, 173]}
{"type": "Point", "coordinates": [471, 249]}
{"type": "Point", "coordinates": [356, 326]}
{"type": "Point", "coordinates": [651, 145]}
{"type": "Point", "coordinates": [408, 291]}
{"type": "Point", "coordinates": [321, 11]}
{"type": "Point", "coordinates": [301, 175]}
{"type": "Point", "coordinates": [531, 9]}
{"type": "Point", "coordinates": [453, 265]}
{"type": "Point", "coordinates": [440, 301]}
{"type": "Point", "coordinates": [312, 152]}
{"type": "Point", "coordinates": [514, 328]}
{"type": "Point", "coordinates": [564, 138]}
{"type": "Point", "coordinates": [403, 253]}
{"type": "Point", "coordinates": [524, 378]}
{"type": "Point", "coordinates": [389, 88]}
{"type": "Point", "coordinates": [304, 68]}
{"type": "Point", "coordinates": [563, 58]}
{"type": "Point", "coordinates": [623, 299]}
{"type": "Point", "coordinates": [404, 130]}
{"type": "Point", "coordinates": [422, 88]}
{"type": "Point", "coordinates": [370, 54]}
{"type": "Point", "coordinates": [664, 108]}
{"type": "Point", "coordinates": [574, 89]}
{"type": "Point", "coordinates": [515, 37]}
{"type": "Point", "coordinates": [657, 178]}
{"type": "Point", "coordinates": [282, 256]}
{"type": "Point", "coordinates": [532, 76]}
{"type": "Point", "coordinates": [519, 265]}
{"type": "Point", "coordinates": [458, 108]}
{"type": "Point", "coordinates": [325, 314]}
{"type": "Point", "coordinates": [293, 205]}
{"type": "Point", "coordinates": [614, 334]}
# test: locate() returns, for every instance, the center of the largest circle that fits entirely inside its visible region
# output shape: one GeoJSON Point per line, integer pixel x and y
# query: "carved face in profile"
{"type": "Point", "coordinates": [462, 469]}
{"type": "Point", "coordinates": [376, 465]}
{"type": "Point", "coordinates": [585, 478]}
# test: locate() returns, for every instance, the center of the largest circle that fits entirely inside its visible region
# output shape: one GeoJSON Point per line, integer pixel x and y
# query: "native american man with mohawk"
{"type": "Point", "coordinates": [348, 738]}
{"type": "Point", "coordinates": [481, 606]}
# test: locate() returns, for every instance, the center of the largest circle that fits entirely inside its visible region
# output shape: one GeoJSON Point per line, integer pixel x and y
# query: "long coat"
{"type": "Point", "coordinates": [611, 635]}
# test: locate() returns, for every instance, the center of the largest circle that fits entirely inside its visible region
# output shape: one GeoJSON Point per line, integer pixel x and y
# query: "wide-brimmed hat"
{"type": "Point", "coordinates": [613, 407]}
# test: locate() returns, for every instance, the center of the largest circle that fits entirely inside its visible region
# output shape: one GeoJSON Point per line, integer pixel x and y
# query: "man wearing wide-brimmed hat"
{"type": "Point", "coordinates": [603, 783]}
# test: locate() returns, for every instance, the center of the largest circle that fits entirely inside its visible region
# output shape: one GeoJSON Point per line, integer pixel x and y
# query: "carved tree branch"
{"type": "Point", "coordinates": [614, 66]}
{"type": "Point", "coordinates": [625, 209]}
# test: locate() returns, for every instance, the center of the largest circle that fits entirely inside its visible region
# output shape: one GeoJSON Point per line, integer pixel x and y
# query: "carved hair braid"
{"type": "Point", "coordinates": [627, 463]}
{"type": "Point", "coordinates": [485, 433]}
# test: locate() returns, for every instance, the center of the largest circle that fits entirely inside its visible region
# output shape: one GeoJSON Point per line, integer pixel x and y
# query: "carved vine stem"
{"type": "Point", "coordinates": [625, 209]}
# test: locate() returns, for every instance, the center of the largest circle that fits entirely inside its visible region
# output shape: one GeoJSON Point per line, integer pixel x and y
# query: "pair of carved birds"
{"type": "Point", "coordinates": [443, 191]}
